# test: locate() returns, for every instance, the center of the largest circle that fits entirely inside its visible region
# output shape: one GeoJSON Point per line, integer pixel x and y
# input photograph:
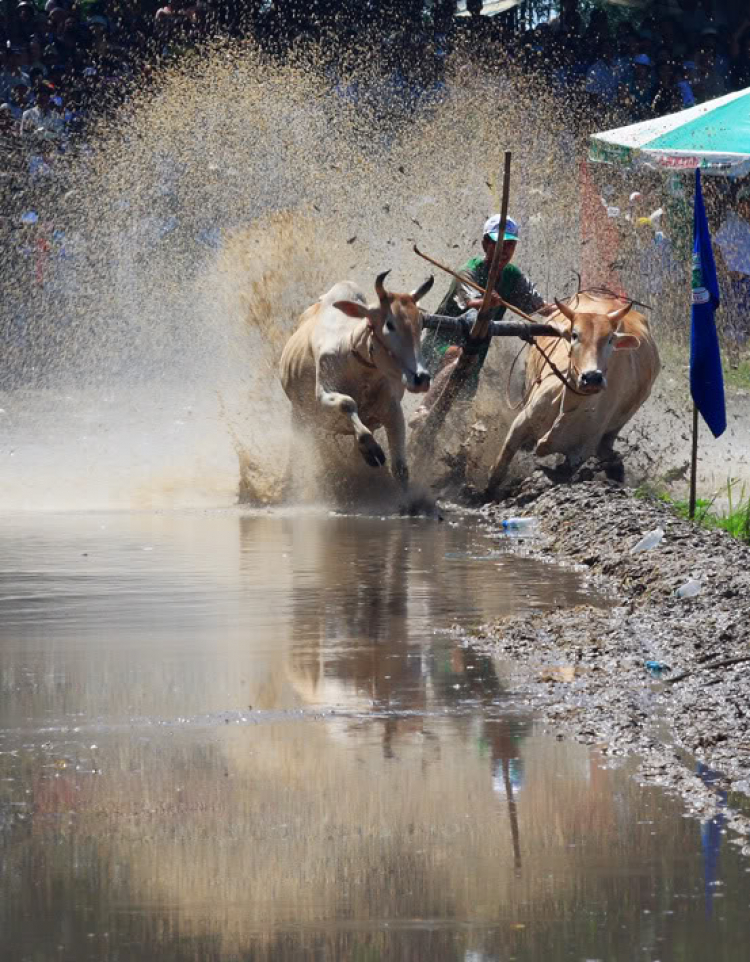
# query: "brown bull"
{"type": "Point", "coordinates": [346, 367]}
{"type": "Point", "coordinates": [610, 360]}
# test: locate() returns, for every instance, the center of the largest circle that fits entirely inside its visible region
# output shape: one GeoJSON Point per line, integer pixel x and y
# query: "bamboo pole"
{"type": "Point", "coordinates": [424, 434]}
{"type": "Point", "coordinates": [481, 326]}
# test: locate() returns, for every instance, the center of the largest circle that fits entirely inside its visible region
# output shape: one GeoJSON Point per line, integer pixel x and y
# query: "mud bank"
{"type": "Point", "coordinates": [587, 672]}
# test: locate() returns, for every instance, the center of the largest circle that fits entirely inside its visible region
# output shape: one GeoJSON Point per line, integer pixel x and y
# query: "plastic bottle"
{"type": "Point", "coordinates": [689, 590]}
{"type": "Point", "coordinates": [518, 524]}
{"type": "Point", "coordinates": [657, 668]}
{"type": "Point", "coordinates": [648, 541]}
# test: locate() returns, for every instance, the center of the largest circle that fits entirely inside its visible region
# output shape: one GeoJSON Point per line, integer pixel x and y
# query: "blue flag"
{"type": "Point", "coordinates": [706, 375]}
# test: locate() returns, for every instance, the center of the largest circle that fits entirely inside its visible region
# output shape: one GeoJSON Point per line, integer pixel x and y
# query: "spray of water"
{"type": "Point", "coordinates": [199, 224]}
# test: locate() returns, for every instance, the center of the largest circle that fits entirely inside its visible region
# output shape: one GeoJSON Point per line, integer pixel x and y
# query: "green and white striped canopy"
{"type": "Point", "coordinates": [714, 136]}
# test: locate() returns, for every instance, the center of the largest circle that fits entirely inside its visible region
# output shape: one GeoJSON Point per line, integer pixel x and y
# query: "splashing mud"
{"type": "Point", "coordinates": [198, 225]}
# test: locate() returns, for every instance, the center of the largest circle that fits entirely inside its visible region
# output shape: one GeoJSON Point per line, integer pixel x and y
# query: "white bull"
{"type": "Point", "coordinates": [609, 358]}
{"type": "Point", "coordinates": [346, 367]}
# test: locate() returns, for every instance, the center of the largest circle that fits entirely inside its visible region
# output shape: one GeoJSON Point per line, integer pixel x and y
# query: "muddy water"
{"type": "Point", "coordinates": [247, 736]}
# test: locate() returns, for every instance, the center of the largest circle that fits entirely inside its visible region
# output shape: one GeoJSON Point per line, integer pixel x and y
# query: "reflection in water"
{"type": "Point", "coordinates": [230, 736]}
{"type": "Point", "coordinates": [711, 835]}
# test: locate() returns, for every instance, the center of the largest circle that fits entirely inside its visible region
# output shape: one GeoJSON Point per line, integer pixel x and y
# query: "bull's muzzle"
{"type": "Point", "coordinates": [417, 382]}
{"type": "Point", "coordinates": [591, 382]}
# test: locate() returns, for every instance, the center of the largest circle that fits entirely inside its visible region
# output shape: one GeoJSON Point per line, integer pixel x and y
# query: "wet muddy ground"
{"type": "Point", "coordinates": [651, 673]}
{"type": "Point", "coordinates": [234, 736]}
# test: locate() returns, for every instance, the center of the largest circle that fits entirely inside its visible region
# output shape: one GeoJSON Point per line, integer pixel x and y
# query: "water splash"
{"type": "Point", "coordinates": [193, 231]}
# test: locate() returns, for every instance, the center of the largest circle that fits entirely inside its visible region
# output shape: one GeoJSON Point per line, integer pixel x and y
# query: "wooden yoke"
{"type": "Point", "coordinates": [425, 432]}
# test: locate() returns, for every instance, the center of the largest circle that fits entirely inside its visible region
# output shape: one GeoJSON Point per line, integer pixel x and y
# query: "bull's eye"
{"type": "Point", "coordinates": [389, 326]}
{"type": "Point", "coordinates": [574, 336]}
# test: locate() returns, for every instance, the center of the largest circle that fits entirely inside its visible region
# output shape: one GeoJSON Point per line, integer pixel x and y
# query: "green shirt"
{"type": "Point", "coordinates": [512, 285]}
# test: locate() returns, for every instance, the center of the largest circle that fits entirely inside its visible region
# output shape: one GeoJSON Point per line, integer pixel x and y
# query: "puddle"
{"type": "Point", "coordinates": [232, 736]}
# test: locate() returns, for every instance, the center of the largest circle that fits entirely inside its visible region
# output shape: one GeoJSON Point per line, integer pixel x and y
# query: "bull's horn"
{"type": "Point", "coordinates": [565, 310]}
{"type": "Point", "coordinates": [617, 316]}
{"type": "Point", "coordinates": [380, 288]}
{"type": "Point", "coordinates": [423, 289]}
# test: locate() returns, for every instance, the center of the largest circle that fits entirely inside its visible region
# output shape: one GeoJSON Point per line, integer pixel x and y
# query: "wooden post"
{"type": "Point", "coordinates": [515, 835]}
{"type": "Point", "coordinates": [482, 324]}
{"type": "Point", "coordinates": [425, 433]}
{"type": "Point", "coordinates": [693, 465]}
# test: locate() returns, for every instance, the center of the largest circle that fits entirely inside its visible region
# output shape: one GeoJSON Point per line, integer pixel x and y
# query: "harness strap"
{"type": "Point", "coordinates": [361, 360]}
{"type": "Point", "coordinates": [557, 372]}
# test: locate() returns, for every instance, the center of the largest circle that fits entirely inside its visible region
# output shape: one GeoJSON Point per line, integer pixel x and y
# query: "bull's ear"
{"type": "Point", "coordinates": [626, 342]}
{"type": "Point", "coordinates": [423, 290]}
{"type": "Point", "coordinates": [617, 316]}
{"type": "Point", "coordinates": [565, 310]}
{"type": "Point", "coordinates": [352, 308]}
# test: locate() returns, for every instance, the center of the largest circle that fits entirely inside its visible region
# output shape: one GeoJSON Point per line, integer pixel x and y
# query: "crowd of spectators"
{"type": "Point", "coordinates": [65, 62]}
{"type": "Point", "coordinates": [61, 60]}
{"type": "Point", "coordinates": [686, 53]}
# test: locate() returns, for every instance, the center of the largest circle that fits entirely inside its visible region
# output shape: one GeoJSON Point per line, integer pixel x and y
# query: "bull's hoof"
{"type": "Point", "coordinates": [558, 474]}
{"type": "Point", "coordinates": [614, 469]}
{"type": "Point", "coordinates": [474, 497]}
{"type": "Point", "coordinates": [371, 451]}
{"type": "Point", "coordinates": [494, 486]}
{"type": "Point", "coordinates": [420, 505]}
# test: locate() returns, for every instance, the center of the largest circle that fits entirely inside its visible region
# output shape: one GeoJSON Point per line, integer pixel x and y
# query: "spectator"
{"type": "Point", "coordinates": [686, 89]}
{"type": "Point", "coordinates": [56, 20]}
{"type": "Point", "coordinates": [712, 40]}
{"type": "Point", "coordinates": [739, 52]}
{"type": "Point", "coordinates": [658, 266]}
{"type": "Point", "coordinates": [474, 28]}
{"type": "Point", "coordinates": [601, 83]}
{"type": "Point", "coordinates": [598, 35]}
{"type": "Point", "coordinates": [17, 102]}
{"type": "Point", "coordinates": [567, 71]}
{"type": "Point", "coordinates": [12, 75]}
{"type": "Point", "coordinates": [43, 117]}
{"type": "Point", "coordinates": [98, 28]}
{"type": "Point", "coordinates": [26, 20]}
{"type": "Point", "coordinates": [36, 55]}
{"type": "Point", "coordinates": [642, 88]}
{"type": "Point", "coordinates": [732, 242]}
{"type": "Point", "coordinates": [711, 15]}
{"type": "Point", "coordinates": [629, 47]}
{"type": "Point", "coordinates": [672, 36]}
{"type": "Point", "coordinates": [8, 128]}
{"type": "Point", "coordinates": [698, 14]}
{"type": "Point", "coordinates": [708, 81]}
{"type": "Point", "coordinates": [670, 93]}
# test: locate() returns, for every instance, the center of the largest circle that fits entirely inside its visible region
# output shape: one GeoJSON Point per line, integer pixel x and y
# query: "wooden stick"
{"type": "Point", "coordinates": [693, 465]}
{"type": "Point", "coordinates": [423, 437]}
{"type": "Point", "coordinates": [481, 326]}
{"type": "Point", "coordinates": [726, 663]}
{"type": "Point", "coordinates": [470, 283]}
{"type": "Point", "coordinates": [459, 277]}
